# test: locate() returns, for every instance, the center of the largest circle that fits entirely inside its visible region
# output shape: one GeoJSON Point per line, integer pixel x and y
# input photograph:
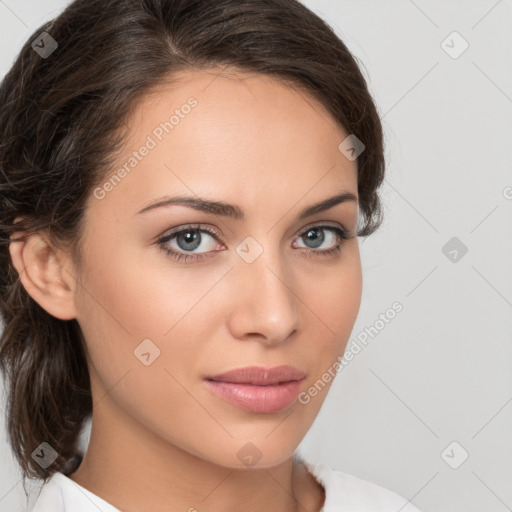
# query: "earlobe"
{"type": "Point", "coordinates": [42, 274]}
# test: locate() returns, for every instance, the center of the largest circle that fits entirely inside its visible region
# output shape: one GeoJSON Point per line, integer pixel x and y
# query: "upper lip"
{"type": "Point", "coordinates": [260, 376]}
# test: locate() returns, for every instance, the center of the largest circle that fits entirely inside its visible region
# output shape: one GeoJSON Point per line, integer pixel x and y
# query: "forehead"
{"type": "Point", "coordinates": [230, 134]}
{"type": "Point", "coordinates": [236, 109]}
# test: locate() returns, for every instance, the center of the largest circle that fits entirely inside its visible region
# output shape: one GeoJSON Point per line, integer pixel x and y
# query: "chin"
{"type": "Point", "coordinates": [254, 452]}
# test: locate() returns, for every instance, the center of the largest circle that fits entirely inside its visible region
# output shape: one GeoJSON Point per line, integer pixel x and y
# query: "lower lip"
{"type": "Point", "coordinates": [254, 398]}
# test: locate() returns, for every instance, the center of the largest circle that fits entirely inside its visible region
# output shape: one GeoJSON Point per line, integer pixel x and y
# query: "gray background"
{"type": "Point", "coordinates": [439, 372]}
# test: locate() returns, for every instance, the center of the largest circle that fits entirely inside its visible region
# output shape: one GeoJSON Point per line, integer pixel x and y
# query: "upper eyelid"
{"type": "Point", "coordinates": [326, 224]}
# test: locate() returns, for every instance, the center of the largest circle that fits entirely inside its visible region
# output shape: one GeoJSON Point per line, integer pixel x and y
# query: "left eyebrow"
{"type": "Point", "coordinates": [234, 211]}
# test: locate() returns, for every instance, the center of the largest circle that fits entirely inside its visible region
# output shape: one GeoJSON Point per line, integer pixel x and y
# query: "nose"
{"type": "Point", "coordinates": [265, 306]}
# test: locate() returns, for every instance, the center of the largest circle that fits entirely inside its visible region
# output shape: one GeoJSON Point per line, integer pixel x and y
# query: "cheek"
{"type": "Point", "coordinates": [138, 292]}
{"type": "Point", "coordinates": [126, 301]}
{"type": "Point", "coordinates": [334, 297]}
{"type": "Point", "coordinates": [123, 305]}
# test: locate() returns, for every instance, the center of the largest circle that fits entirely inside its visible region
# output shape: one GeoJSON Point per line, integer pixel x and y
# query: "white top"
{"type": "Point", "coordinates": [343, 493]}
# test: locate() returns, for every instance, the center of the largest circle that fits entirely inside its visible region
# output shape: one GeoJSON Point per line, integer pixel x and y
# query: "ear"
{"type": "Point", "coordinates": [41, 271]}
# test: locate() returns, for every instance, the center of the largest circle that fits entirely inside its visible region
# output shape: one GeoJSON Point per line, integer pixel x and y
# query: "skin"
{"type": "Point", "coordinates": [160, 440]}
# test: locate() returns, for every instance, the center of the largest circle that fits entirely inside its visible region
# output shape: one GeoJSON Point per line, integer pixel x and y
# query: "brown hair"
{"type": "Point", "coordinates": [60, 121]}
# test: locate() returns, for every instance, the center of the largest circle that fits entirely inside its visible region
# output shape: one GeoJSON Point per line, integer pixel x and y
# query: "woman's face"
{"type": "Point", "coordinates": [252, 289]}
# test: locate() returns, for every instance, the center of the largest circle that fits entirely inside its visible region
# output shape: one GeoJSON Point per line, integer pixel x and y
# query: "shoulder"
{"type": "Point", "coordinates": [344, 493]}
{"type": "Point", "coordinates": [49, 497]}
{"type": "Point", "coordinates": [61, 494]}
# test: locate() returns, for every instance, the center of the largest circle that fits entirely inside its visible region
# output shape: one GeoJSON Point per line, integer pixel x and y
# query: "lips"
{"type": "Point", "coordinates": [259, 376]}
{"type": "Point", "coordinates": [257, 389]}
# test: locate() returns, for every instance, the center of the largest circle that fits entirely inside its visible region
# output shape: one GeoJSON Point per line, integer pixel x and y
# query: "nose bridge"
{"type": "Point", "coordinates": [267, 303]}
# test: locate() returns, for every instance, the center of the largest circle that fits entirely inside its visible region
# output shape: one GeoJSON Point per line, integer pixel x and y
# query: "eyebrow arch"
{"type": "Point", "coordinates": [230, 210]}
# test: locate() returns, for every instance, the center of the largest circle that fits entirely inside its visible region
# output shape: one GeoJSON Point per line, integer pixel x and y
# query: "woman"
{"type": "Point", "coordinates": [183, 183]}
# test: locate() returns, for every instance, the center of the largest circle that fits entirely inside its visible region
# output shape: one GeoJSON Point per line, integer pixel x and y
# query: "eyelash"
{"type": "Point", "coordinates": [341, 234]}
